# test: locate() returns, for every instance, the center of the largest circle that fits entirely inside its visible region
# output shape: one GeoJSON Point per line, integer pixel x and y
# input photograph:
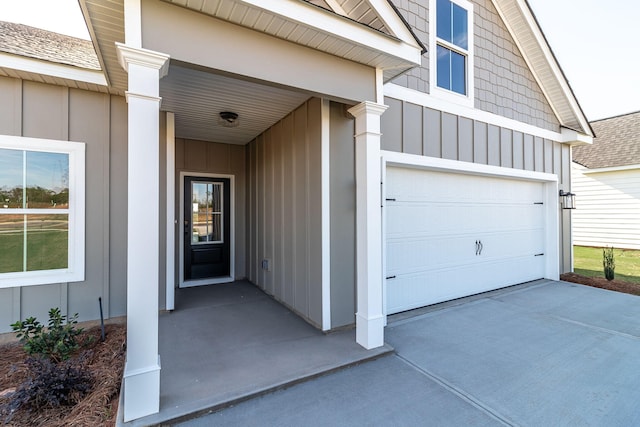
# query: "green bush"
{"type": "Point", "coordinates": [609, 263]}
{"type": "Point", "coordinates": [56, 342]}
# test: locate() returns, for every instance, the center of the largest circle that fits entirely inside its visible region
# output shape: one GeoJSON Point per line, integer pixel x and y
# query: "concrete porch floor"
{"type": "Point", "coordinates": [226, 343]}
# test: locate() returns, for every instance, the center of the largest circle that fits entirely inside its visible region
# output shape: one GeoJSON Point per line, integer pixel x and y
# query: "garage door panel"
{"type": "Point", "coordinates": [415, 255]}
{"type": "Point", "coordinates": [449, 235]}
{"type": "Point", "coordinates": [409, 291]}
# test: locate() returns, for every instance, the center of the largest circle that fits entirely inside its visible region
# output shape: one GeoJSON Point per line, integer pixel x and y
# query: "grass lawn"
{"type": "Point", "coordinates": [588, 262]}
{"type": "Point", "coordinates": [46, 249]}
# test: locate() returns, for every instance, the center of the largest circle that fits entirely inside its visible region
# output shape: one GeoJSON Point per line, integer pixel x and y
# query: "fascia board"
{"type": "Point", "coordinates": [52, 69]}
{"type": "Point", "coordinates": [548, 55]}
{"type": "Point", "coordinates": [611, 169]}
{"type": "Point", "coordinates": [346, 29]}
{"type": "Point", "coordinates": [575, 138]}
{"type": "Point", "coordinates": [393, 22]}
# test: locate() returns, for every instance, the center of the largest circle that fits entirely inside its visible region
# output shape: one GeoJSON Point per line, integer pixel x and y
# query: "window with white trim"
{"type": "Point", "coordinates": [41, 211]}
{"type": "Point", "coordinates": [451, 42]}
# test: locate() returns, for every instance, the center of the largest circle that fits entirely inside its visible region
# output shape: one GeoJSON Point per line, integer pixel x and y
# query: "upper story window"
{"type": "Point", "coordinates": [41, 211]}
{"type": "Point", "coordinates": [452, 50]}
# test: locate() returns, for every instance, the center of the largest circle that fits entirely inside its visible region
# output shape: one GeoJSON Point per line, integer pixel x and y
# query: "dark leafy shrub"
{"type": "Point", "coordinates": [609, 263]}
{"type": "Point", "coordinates": [50, 384]}
{"type": "Point", "coordinates": [56, 342]}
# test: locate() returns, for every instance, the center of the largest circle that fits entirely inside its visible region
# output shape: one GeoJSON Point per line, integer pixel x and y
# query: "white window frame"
{"type": "Point", "coordinates": [435, 90]}
{"type": "Point", "coordinates": [76, 238]}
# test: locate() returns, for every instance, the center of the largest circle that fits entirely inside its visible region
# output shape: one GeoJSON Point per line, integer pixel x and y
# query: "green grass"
{"type": "Point", "coordinates": [588, 262]}
{"type": "Point", "coordinates": [46, 249]}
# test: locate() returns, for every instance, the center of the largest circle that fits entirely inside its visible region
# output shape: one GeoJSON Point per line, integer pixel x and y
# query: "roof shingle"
{"type": "Point", "coordinates": [19, 39]}
{"type": "Point", "coordinates": [617, 143]}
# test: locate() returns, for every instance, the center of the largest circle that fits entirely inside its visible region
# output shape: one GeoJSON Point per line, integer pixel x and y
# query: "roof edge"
{"type": "Point", "coordinates": [506, 10]}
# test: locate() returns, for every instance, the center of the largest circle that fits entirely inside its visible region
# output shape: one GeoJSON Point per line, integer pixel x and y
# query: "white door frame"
{"type": "Point", "coordinates": [226, 279]}
{"type": "Point", "coordinates": [551, 201]}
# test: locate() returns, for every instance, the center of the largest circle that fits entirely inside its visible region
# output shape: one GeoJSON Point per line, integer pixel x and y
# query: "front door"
{"type": "Point", "coordinates": [207, 231]}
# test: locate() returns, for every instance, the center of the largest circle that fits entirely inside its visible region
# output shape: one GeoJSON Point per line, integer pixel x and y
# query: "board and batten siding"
{"type": "Point", "coordinates": [414, 129]}
{"type": "Point", "coordinates": [32, 109]}
{"type": "Point", "coordinates": [608, 208]}
{"type": "Point", "coordinates": [215, 158]}
{"type": "Point", "coordinates": [284, 211]}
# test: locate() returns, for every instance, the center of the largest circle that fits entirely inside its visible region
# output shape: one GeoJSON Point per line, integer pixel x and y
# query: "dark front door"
{"type": "Point", "coordinates": [206, 228]}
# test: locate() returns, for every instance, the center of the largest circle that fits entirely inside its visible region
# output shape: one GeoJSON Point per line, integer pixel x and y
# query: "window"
{"type": "Point", "coordinates": [452, 43]}
{"type": "Point", "coordinates": [41, 211]}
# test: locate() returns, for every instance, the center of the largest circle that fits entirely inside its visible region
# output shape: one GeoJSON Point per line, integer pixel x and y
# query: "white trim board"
{"type": "Point", "coordinates": [170, 191]}
{"type": "Point", "coordinates": [610, 169]}
{"type": "Point", "coordinates": [326, 212]}
{"type": "Point", "coordinates": [52, 69]}
{"type": "Point", "coordinates": [420, 98]}
{"type": "Point", "coordinates": [232, 224]}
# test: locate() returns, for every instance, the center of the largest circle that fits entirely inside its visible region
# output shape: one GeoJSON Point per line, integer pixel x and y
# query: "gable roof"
{"type": "Point", "coordinates": [22, 40]}
{"type": "Point", "coordinates": [534, 47]}
{"type": "Point", "coordinates": [617, 143]}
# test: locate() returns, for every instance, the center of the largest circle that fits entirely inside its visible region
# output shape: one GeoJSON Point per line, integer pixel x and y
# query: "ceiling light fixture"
{"type": "Point", "coordinates": [228, 119]}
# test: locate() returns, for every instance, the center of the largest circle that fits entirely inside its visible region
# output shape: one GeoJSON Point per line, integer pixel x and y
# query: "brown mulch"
{"type": "Point", "coordinates": [601, 282]}
{"type": "Point", "coordinates": [98, 408]}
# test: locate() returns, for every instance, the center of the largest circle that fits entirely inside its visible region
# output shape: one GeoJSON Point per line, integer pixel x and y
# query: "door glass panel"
{"type": "Point", "coordinates": [206, 212]}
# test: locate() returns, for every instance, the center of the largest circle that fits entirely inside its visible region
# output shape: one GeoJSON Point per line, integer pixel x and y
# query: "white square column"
{"type": "Point", "coordinates": [142, 368]}
{"type": "Point", "coordinates": [369, 316]}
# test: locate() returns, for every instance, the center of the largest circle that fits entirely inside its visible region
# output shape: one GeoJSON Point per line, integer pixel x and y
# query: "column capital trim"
{"type": "Point", "coordinates": [129, 94]}
{"type": "Point", "coordinates": [367, 107]}
{"type": "Point", "coordinates": [143, 57]}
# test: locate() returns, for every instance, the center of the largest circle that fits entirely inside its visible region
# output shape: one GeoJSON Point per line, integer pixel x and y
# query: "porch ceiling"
{"type": "Point", "coordinates": [197, 97]}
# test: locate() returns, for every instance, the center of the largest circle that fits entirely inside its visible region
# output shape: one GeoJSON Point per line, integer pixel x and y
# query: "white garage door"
{"type": "Point", "coordinates": [450, 235]}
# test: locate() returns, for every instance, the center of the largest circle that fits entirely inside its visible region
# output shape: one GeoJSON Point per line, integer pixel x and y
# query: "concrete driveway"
{"type": "Point", "coordinates": [547, 354]}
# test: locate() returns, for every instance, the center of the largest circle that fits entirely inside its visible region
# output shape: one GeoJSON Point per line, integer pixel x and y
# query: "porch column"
{"type": "Point", "coordinates": [142, 368]}
{"type": "Point", "coordinates": [369, 315]}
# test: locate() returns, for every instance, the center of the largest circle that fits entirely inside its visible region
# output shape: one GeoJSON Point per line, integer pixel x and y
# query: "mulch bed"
{"type": "Point", "coordinates": [98, 408]}
{"type": "Point", "coordinates": [601, 282]}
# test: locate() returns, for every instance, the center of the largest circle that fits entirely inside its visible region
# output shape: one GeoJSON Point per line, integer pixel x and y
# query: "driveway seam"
{"type": "Point", "coordinates": [460, 393]}
{"type": "Point", "coordinates": [595, 328]}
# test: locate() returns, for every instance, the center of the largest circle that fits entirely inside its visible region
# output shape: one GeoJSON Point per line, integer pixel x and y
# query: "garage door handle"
{"type": "Point", "coordinates": [391, 277]}
{"type": "Point", "coordinates": [479, 247]}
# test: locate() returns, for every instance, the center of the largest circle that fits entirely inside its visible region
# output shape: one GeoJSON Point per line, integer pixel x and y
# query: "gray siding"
{"type": "Point", "coordinates": [38, 110]}
{"type": "Point", "coordinates": [504, 85]}
{"type": "Point", "coordinates": [457, 138]}
{"type": "Point", "coordinates": [343, 218]}
{"type": "Point", "coordinates": [212, 157]}
{"type": "Point", "coordinates": [284, 211]}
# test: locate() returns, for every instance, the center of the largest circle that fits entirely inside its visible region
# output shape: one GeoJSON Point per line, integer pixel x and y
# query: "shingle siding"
{"type": "Point", "coordinates": [503, 82]}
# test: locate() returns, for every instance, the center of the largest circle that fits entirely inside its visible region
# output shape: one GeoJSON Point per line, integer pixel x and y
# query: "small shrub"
{"type": "Point", "coordinates": [609, 263]}
{"type": "Point", "coordinates": [56, 342]}
{"type": "Point", "coordinates": [50, 384]}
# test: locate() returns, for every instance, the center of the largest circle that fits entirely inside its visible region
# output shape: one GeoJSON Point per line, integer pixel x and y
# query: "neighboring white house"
{"type": "Point", "coordinates": [350, 158]}
{"type": "Point", "coordinates": [606, 179]}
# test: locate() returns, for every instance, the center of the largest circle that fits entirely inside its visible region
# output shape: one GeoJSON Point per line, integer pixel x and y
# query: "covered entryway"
{"type": "Point", "coordinates": [450, 234]}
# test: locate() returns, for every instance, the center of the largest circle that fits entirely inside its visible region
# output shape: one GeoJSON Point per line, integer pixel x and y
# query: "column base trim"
{"type": "Point", "coordinates": [141, 390]}
{"type": "Point", "coordinates": [370, 331]}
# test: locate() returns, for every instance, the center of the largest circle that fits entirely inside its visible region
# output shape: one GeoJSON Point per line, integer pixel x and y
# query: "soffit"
{"type": "Point", "coordinates": [105, 21]}
{"type": "Point", "coordinates": [529, 38]}
{"type": "Point", "coordinates": [197, 97]}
